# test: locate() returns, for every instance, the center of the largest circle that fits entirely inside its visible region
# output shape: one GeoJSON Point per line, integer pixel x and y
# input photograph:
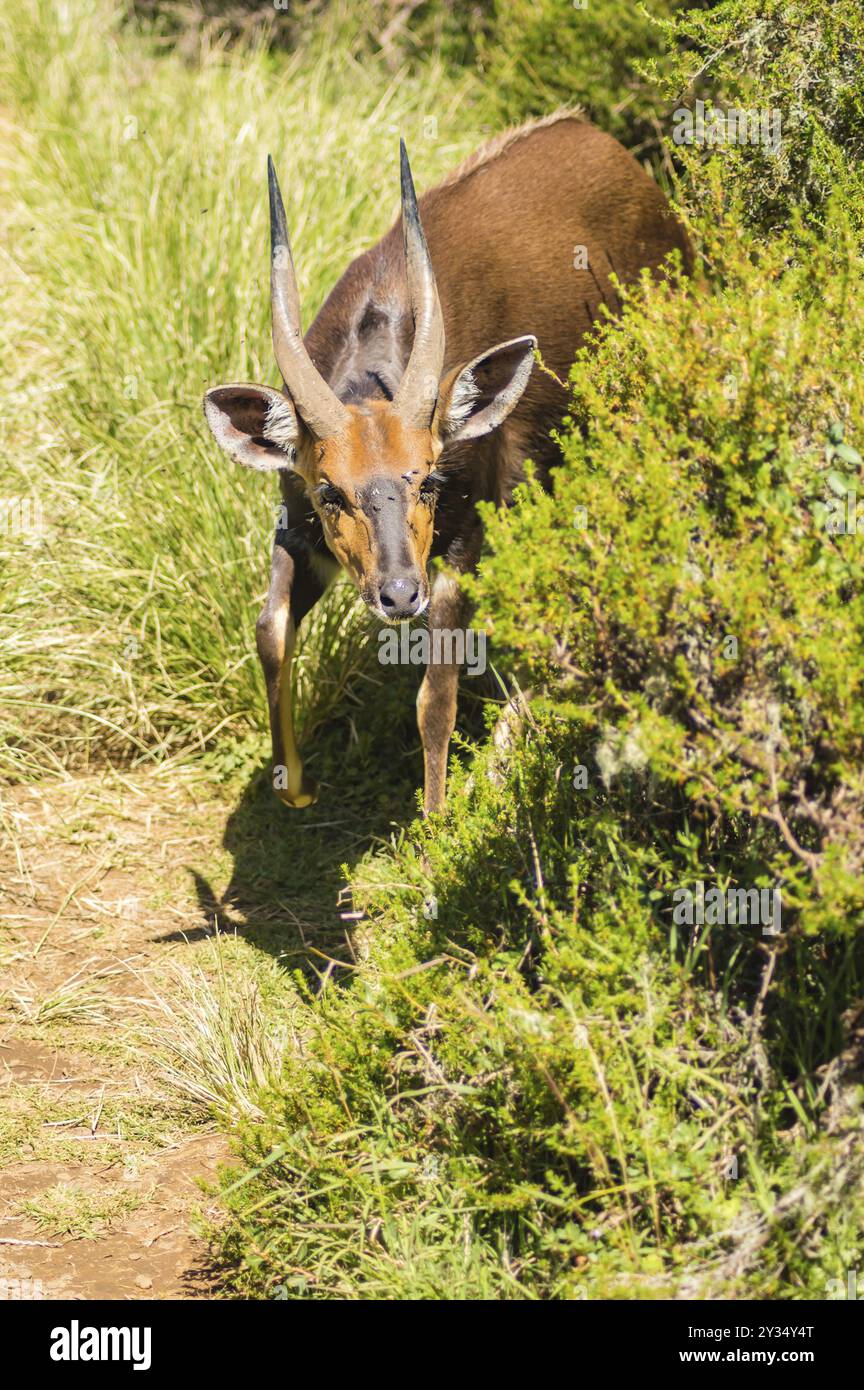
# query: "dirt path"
{"type": "Point", "coordinates": [99, 1161]}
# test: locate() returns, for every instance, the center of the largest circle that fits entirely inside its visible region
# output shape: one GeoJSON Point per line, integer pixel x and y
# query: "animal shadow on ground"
{"type": "Point", "coordinates": [288, 892]}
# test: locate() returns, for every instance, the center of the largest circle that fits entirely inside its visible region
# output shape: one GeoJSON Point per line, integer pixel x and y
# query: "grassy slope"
{"type": "Point", "coordinates": [136, 272]}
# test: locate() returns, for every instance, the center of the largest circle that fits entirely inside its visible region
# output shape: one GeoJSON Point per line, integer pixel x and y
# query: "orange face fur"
{"type": "Point", "coordinates": [374, 488]}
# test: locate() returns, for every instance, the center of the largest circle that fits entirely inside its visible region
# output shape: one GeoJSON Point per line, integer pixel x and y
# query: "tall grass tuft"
{"type": "Point", "coordinates": [218, 1044]}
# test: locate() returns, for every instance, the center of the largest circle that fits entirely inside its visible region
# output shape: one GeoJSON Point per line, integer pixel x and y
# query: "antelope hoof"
{"type": "Point", "coordinates": [305, 795]}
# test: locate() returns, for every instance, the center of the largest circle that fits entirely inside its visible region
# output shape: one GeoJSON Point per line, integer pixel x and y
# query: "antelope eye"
{"type": "Point", "coordinates": [330, 496]}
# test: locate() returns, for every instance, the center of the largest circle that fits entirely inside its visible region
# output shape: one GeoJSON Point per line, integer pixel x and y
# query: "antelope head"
{"type": "Point", "coordinates": [371, 468]}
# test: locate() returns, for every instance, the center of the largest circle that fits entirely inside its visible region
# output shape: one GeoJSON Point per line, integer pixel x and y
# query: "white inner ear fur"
{"type": "Point", "coordinates": [280, 425]}
{"type": "Point", "coordinates": [462, 397]}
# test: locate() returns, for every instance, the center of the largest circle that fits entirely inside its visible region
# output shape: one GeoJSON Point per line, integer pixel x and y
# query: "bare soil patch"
{"type": "Point", "coordinates": [98, 894]}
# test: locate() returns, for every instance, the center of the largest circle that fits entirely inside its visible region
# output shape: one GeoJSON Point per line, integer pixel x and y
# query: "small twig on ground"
{"type": "Point", "coordinates": [48, 1244]}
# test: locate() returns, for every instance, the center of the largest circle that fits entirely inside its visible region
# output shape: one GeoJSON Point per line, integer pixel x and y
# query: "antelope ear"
{"type": "Point", "coordinates": [255, 425]}
{"type": "Point", "coordinates": [475, 398]}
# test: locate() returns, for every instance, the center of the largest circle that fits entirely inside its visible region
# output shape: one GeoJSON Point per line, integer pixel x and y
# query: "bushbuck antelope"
{"type": "Point", "coordinates": [412, 397]}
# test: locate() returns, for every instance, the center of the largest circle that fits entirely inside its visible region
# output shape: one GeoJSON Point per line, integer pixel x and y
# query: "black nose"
{"type": "Point", "coordinates": [399, 597]}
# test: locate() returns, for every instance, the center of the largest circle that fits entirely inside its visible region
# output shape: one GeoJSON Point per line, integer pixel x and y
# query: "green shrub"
{"type": "Point", "coordinates": [800, 58]}
{"type": "Point", "coordinates": [539, 54]}
{"type": "Point", "coordinates": [528, 1089]}
{"type": "Point", "coordinates": [683, 586]}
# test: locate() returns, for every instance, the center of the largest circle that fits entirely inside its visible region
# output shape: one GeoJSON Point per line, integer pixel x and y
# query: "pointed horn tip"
{"type": "Point", "coordinates": [272, 180]}
{"type": "Point", "coordinates": [406, 177]}
{"type": "Point", "coordinates": [278, 222]}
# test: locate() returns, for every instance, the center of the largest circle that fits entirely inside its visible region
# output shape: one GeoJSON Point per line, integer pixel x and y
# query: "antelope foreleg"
{"type": "Point", "coordinates": [438, 694]}
{"type": "Point", "coordinates": [293, 591]}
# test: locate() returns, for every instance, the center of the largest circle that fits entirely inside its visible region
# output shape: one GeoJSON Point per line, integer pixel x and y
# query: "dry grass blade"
{"type": "Point", "coordinates": [78, 999]}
